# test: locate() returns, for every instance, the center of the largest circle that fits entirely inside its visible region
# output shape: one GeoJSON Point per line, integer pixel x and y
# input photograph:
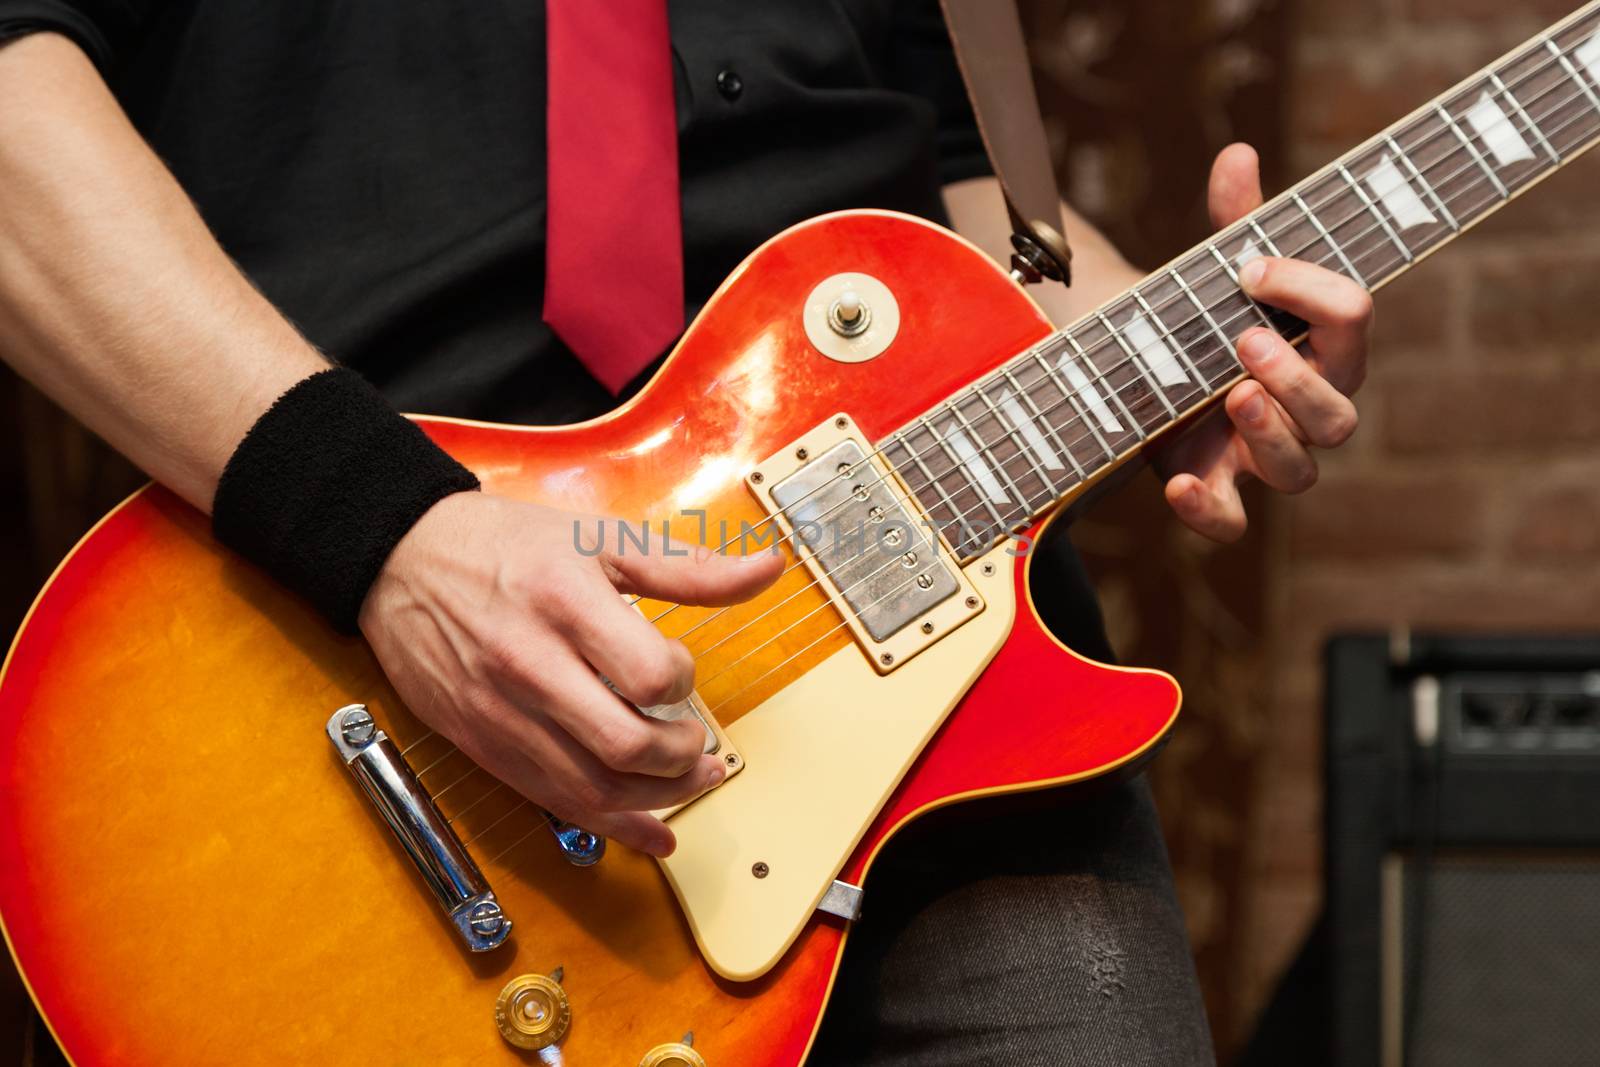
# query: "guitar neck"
{"type": "Point", "coordinates": [994, 456]}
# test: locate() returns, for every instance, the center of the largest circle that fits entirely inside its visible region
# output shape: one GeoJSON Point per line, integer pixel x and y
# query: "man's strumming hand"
{"type": "Point", "coordinates": [494, 621]}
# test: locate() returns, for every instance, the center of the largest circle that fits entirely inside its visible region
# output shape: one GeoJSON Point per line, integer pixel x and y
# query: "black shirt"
{"type": "Point", "coordinates": [377, 167]}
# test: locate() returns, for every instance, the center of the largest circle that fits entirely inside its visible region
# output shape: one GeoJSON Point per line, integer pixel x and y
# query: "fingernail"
{"type": "Point", "coordinates": [717, 773]}
{"type": "Point", "coordinates": [1258, 346]}
{"type": "Point", "coordinates": [1252, 409]}
{"type": "Point", "coordinates": [1250, 274]}
{"type": "Point", "coordinates": [1191, 499]}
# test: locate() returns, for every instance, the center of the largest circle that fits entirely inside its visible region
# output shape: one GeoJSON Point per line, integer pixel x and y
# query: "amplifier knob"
{"type": "Point", "coordinates": [532, 1011]}
{"type": "Point", "coordinates": [674, 1054]}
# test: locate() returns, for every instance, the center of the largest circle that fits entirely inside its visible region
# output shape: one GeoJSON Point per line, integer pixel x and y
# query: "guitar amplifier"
{"type": "Point", "coordinates": [1463, 850]}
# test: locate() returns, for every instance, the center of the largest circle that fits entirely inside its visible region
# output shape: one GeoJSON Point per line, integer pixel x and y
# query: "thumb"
{"type": "Point", "coordinates": [665, 569]}
{"type": "Point", "coordinates": [1235, 188]}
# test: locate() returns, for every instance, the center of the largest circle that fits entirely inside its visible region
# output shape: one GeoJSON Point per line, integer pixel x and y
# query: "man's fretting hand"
{"type": "Point", "coordinates": [493, 626]}
{"type": "Point", "coordinates": [1295, 400]}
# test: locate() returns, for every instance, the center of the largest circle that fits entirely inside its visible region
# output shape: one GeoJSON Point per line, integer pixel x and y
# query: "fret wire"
{"type": "Point", "coordinates": [1254, 225]}
{"type": "Point", "coordinates": [1412, 167]}
{"type": "Point", "coordinates": [1074, 401]}
{"type": "Point", "coordinates": [1227, 343]}
{"type": "Point", "coordinates": [1100, 376]}
{"type": "Point", "coordinates": [1377, 214]}
{"type": "Point", "coordinates": [958, 466]}
{"type": "Point", "coordinates": [1472, 149]}
{"type": "Point", "coordinates": [1038, 415]}
{"type": "Point", "coordinates": [946, 499]}
{"type": "Point", "coordinates": [998, 464]}
{"type": "Point", "coordinates": [1177, 347]}
{"type": "Point", "coordinates": [1572, 72]}
{"type": "Point", "coordinates": [1337, 250]}
{"type": "Point", "coordinates": [1021, 445]}
{"type": "Point", "coordinates": [1137, 362]}
{"type": "Point", "coordinates": [1070, 396]}
{"type": "Point", "coordinates": [1227, 268]}
{"type": "Point", "coordinates": [1500, 88]}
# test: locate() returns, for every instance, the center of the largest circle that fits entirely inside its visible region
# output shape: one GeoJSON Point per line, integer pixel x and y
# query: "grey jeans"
{"type": "Point", "coordinates": [1015, 933]}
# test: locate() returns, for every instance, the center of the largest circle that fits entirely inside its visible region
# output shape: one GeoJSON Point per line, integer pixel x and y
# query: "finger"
{"type": "Point", "coordinates": [635, 829]}
{"type": "Point", "coordinates": [691, 574]}
{"type": "Point", "coordinates": [1338, 311]}
{"type": "Point", "coordinates": [1217, 513]}
{"type": "Point", "coordinates": [1279, 457]}
{"type": "Point", "coordinates": [619, 642]}
{"type": "Point", "coordinates": [1324, 416]}
{"type": "Point", "coordinates": [1235, 188]}
{"type": "Point", "coordinates": [546, 763]}
{"type": "Point", "coordinates": [567, 690]}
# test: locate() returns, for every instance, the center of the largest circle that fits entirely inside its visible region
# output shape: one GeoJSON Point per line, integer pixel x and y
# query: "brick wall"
{"type": "Point", "coordinates": [1470, 497]}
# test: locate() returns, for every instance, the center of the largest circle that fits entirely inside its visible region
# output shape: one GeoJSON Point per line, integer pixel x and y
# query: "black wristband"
{"type": "Point", "coordinates": [325, 484]}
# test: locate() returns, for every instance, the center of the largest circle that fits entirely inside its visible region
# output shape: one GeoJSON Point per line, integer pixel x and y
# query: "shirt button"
{"type": "Point", "coordinates": [730, 85]}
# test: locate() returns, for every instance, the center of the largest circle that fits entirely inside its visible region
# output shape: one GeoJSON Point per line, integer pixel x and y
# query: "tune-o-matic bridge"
{"type": "Point", "coordinates": [881, 561]}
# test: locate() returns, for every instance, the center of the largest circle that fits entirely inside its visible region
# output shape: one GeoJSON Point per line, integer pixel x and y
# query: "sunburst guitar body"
{"type": "Point", "coordinates": [190, 873]}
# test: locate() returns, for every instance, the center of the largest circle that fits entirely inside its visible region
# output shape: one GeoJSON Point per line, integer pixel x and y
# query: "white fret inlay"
{"type": "Point", "coordinates": [1156, 355]}
{"type": "Point", "coordinates": [1391, 187]}
{"type": "Point", "coordinates": [971, 459]}
{"type": "Point", "coordinates": [1247, 253]}
{"type": "Point", "coordinates": [1088, 394]}
{"type": "Point", "coordinates": [1588, 53]}
{"type": "Point", "coordinates": [1490, 123]}
{"type": "Point", "coordinates": [1018, 418]}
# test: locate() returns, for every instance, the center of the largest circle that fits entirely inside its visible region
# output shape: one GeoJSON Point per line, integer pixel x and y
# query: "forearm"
{"type": "Point", "coordinates": [114, 297]}
{"type": "Point", "coordinates": [978, 212]}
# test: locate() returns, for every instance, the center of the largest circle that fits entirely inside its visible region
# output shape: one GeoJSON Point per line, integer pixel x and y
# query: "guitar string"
{"type": "Point", "coordinates": [1343, 191]}
{"type": "Point", "coordinates": [1111, 342]}
{"type": "Point", "coordinates": [1452, 197]}
{"type": "Point", "coordinates": [1546, 65]}
{"type": "Point", "coordinates": [1026, 501]}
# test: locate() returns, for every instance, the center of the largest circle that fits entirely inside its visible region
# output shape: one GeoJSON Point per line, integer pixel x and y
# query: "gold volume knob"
{"type": "Point", "coordinates": [532, 1011]}
{"type": "Point", "coordinates": [673, 1054]}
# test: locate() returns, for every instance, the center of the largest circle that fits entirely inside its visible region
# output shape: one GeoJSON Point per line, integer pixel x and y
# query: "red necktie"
{"type": "Point", "coordinates": [613, 284]}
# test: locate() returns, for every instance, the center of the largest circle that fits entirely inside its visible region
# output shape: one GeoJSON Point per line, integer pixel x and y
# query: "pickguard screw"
{"type": "Point", "coordinates": [759, 869]}
{"type": "Point", "coordinates": [801, 453]}
{"type": "Point", "coordinates": [757, 478]}
{"type": "Point", "coordinates": [886, 659]}
{"type": "Point", "coordinates": [731, 759]}
{"type": "Point", "coordinates": [972, 601]}
{"type": "Point", "coordinates": [927, 627]}
{"type": "Point", "coordinates": [841, 422]}
{"type": "Point", "coordinates": [988, 570]}
{"type": "Point", "coordinates": [357, 726]}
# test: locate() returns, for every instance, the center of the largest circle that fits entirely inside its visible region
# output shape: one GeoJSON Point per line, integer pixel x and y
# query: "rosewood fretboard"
{"type": "Point", "coordinates": [994, 456]}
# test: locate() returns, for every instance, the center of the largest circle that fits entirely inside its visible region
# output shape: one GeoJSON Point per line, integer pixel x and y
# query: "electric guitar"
{"type": "Point", "coordinates": [223, 839]}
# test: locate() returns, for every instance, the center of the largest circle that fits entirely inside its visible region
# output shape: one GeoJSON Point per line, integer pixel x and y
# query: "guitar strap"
{"type": "Point", "coordinates": [987, 37]}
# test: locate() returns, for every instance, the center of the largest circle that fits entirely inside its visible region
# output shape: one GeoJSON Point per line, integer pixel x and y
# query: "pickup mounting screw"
{"type": "Point", "coordinates": [886, 659]}
{"type": "Point", "coordinates": [988, 570]}
{"type": "Point", "coordinates": [841, 422]}
{"type": "Point", "coordinates": [801, 453]}
{"type": "Point", "coordinates": [731, 759]}
{"type": "Point", "coordinates": [357, 726]}
{"type": "Point", "coordinates": [972, 602]}
{"type": "Point", "coordinates": [759, 869]}
{"type": "Point", "coordinates": [927, 627]}
{"type": "Point", "coordinates": [756, 477]}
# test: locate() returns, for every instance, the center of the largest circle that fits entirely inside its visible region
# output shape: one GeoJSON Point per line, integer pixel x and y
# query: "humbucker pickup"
{"type": "Point", "coordinates": [858, 531]}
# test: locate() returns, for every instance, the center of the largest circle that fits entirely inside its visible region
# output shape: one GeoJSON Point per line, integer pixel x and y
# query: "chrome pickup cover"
{"type": "Point", "coordinates": [874, 552]}
{"type": "Point", "coordinates": [878, 558]}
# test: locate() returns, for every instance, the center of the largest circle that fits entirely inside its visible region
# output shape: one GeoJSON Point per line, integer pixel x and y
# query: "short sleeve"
{"type": "Point", "coordinates": [99, 27]}
{"type": "Point", "coordinates": [922, 62]}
